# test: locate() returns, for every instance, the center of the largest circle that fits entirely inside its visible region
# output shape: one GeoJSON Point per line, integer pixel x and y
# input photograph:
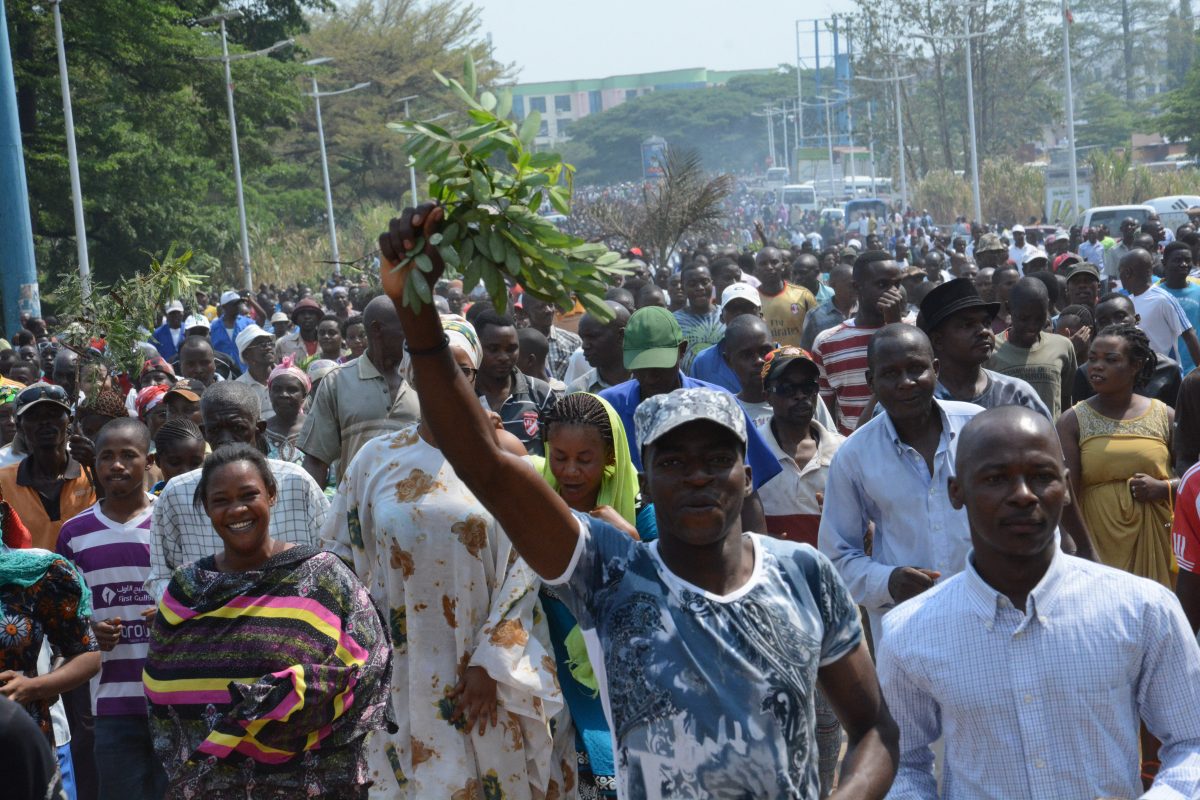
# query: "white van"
{"type": "Point", "coordinates": [1112, 216]}
{"type": "Point", "coordinates": [1172, 209]}
{"type": "Point", "coordinates": [802, 195]}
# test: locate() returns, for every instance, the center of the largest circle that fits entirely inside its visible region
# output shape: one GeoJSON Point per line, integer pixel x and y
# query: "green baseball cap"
{"type": "Point", "coordinates": [652, 339]}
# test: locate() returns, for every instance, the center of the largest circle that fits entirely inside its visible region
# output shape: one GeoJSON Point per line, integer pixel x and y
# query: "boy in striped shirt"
{"type": "Point", "coordinates": [841, 352]}
{"type": "Point", "coordinates": [110, 543]}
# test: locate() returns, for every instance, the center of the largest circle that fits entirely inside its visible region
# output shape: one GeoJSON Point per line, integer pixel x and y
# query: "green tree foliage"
{"type": "Point", "coordinates": [1110, 120]}
{"type": "Point", "coordinates": [717, 123]}
{"type": "Point", "coordinates": [1118, 45]}
{"type": "Point", "coordinates": [1181, 119]}
{"type": "Point", "coordinates": [685, 202]}
{"type": "Point", "coordinates": [397, 45]}
{"type": "Point", "coordinates": [151, 127]}
{"type": "Point", "coordinates": [1016, 67]}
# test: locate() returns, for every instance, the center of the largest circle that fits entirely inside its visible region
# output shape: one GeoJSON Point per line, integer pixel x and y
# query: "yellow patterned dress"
{"type": "Point", "coordinates": [1127, 534]}
{"type": "Point", "coordinates": [455, 594]}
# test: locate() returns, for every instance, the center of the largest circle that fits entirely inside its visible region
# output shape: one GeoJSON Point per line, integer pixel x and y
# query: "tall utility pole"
{"type": "Point", "coordinates": [1066, 27]}
{"type": "Point", "coordinates": [895, 81]}
{"type": "Point", "coordinates": [316, 95]}
{"type": "Point", "coordinates": [871, 146]}
{"type": "Point", "coordinates": [966, 38]}
{"type": "Point", "coordinates": [799, 93]}
{"type": "Point", "coordinates": [85, 271]}
{"type": "Point", "coordinates": [16, 228]}
{"type": "Point", "coordinates": [412, 169]}
{"type": "Point", "coordinates": [787, 156]}
{"type": "Point", "coordinates": [226, 59]}
{"type": "Point", "coordinates": [978, 206]}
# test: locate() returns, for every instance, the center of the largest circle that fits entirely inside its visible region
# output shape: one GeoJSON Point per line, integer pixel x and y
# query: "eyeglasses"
{"type": "Point", "coordinates": [792, 389]}
{"type": "Point", "coordinates": [469, 372]}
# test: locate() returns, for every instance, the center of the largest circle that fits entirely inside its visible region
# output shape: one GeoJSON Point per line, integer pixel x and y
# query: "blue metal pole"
{"type": "Point", "coordinates": [16, 228]}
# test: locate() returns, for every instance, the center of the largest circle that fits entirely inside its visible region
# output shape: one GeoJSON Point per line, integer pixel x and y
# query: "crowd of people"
{"type": "Point", "coordinates": [901, 512]}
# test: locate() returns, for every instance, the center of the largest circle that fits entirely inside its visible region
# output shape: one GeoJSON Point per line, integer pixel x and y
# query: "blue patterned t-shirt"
{"type": "Point", "coordinates": [709, 695]}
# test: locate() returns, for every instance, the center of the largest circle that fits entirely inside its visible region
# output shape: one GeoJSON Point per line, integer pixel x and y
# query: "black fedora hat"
{"type": "Point", "coordinates": [948, 299]}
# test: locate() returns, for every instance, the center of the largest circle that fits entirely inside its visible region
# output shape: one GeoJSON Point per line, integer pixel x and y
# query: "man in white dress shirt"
{"type": "Point", "coordinates": [892, 472]}
{"type": "Point", "coordinates": [1036, 666]}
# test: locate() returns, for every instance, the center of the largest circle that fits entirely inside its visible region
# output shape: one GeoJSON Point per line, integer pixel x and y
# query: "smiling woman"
{"type": "Point", "coordinates": [289, 708]}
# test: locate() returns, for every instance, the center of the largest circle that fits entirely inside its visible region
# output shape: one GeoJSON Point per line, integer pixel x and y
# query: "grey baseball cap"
{"type": "Point", "coordinates": [663, 413]}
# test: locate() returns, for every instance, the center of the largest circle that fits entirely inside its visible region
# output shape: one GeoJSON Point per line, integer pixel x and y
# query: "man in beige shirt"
{"type": "Point", "coordinates": [361, 399]}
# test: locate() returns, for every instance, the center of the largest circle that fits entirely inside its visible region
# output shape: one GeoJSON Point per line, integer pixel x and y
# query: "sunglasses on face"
{"type": "Point", "coordinates": [790, 389]}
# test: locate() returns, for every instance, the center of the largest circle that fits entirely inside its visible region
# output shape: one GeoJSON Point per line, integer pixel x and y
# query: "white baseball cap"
{"type": "Point", "coordinates": [196, 321]}
{"type": "Point", "coordinates": [741, 291]}
{"type": "Point", "coordinates": [1018, 228]}
{"type": "Point", "coordinates": [280, 316]}
{"type": "Point", "coordinates": [230, 297]}
{"type": "Point", "coordinates": [174, 305]}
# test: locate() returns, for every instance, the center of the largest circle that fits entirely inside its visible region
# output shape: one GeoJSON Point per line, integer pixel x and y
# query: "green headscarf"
{"type": "Point", "coordinates": [27, 566]}
{"type": "Point", "coordinates": [619, 487]}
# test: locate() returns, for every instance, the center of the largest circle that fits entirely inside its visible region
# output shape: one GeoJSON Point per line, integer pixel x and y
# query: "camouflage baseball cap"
{"type": "Point", "coordinates": [663, 413]}
{"type": "Point", "coordinates": [990, 242]}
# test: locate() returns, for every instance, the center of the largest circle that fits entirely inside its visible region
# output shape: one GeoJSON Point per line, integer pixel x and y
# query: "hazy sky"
{"type": "Point", "coordinates": [571, 39]}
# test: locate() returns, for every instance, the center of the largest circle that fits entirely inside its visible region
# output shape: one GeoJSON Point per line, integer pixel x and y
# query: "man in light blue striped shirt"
{"type": "Point", "coordinates": [1036, 666]}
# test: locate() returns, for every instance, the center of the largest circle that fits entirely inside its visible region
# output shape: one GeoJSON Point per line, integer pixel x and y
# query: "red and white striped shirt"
{"type": "Point", "coordinates": [841, 355]}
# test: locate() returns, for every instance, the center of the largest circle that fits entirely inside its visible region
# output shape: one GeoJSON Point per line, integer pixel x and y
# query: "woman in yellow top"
{"type": "Point", "coordinates": [1118, 447]}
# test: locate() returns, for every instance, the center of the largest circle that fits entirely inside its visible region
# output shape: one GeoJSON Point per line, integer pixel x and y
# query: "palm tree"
{"type": "Point", "coordinates": [685, 201]}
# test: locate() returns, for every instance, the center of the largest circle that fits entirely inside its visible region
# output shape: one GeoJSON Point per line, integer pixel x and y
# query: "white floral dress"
{"type": "Point", "coordinates": [455, 594]}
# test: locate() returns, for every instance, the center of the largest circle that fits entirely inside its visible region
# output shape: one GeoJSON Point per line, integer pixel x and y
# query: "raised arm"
{"type": "Point", "coordinates": [535, 518]}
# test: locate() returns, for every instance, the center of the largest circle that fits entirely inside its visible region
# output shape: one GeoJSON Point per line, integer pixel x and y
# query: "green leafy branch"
{"type": "Point", "coordinates": [122, 314]}
{"type": "Point", "coordinates": [492, 185]}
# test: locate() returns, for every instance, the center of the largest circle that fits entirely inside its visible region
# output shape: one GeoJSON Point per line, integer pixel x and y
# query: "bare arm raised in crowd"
{"type": "Point", "coordinates": [535, 518]}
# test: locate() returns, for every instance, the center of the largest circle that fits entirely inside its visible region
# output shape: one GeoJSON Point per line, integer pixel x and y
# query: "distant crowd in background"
{"type": "Point", "coordinates": [319, 544]}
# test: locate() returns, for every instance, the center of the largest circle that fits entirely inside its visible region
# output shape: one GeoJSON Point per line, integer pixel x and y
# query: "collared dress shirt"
{"type": "Point", "coordinates": [875, 477]}
{"type": "Point", "coordinates": [181, 533]}
{"type": "Point", "coordinates": [353, 405]}
{"type": "Point", "coordinates": [1043, 703]}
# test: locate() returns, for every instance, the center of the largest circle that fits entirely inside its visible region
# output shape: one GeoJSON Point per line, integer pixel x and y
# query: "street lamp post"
{"type": "Point", "coordinates": [85, 272]}
{"type": "Point", "coordinates": [316, 95]}
{"type": "Point", "coordinates": [412, 169]}
{"type": "Point", "coordinates": [850, 134]}
{"type": "Point", "coordinates": [978, 206]}
{"type": "Point", "coordinates": [871, 146]}
{"type": "Point", "coordinates": [1066, 26]}
{"type": "Point", "coordinates": [966, 38]}
{"type": "Point", "coordinates": [226, 60]}
{"type": "Point", "coordinates": [799, 93]}
{"type": "Point", "coordinates": [826, 100]}
{"type": "Point", "coordinates": [895, 81]}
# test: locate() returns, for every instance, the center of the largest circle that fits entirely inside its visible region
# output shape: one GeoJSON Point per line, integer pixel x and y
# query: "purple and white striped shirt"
{"type": "Point", "coordinates": [115, 561]}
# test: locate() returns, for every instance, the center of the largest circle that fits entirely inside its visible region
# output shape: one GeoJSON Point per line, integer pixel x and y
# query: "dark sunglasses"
{"type": "Point", "coordinates": [791, 389]}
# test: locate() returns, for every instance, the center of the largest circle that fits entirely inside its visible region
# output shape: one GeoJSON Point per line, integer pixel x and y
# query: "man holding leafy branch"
{"type": "Point", "coordinates": [708, 643]}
